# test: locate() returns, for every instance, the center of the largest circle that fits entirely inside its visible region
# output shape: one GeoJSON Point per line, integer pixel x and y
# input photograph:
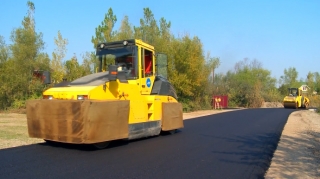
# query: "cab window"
{"type": "Point", "coordinates": [147, 63]}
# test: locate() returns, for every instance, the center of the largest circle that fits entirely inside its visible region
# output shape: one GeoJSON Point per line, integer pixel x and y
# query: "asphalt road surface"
{"type": "Point", "coordinates": [238, 144]}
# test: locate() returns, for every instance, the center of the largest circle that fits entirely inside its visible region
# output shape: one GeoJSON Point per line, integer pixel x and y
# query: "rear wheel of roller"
{"type": "Point", "coordinates": [101, 145]}
{"type": "Point", "coordinates": [172, 131]}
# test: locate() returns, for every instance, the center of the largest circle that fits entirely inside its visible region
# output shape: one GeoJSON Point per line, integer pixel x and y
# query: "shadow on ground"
{"type": "Point", "coordinates": [89, 147]}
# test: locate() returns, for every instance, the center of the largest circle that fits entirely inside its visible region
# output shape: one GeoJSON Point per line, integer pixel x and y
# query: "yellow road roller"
{"type": "Point", "coordinates": [129, 98]}
{"type": "Point", "coordinates": [295, 99]}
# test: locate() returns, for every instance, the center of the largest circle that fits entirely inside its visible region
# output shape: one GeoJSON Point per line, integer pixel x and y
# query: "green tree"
{"type": "Point", "coordinates": [73, 69]}
{"type": "Point", "coordinates": [125, 31]}
{"type": "Point", "coordinates": [317, 82]}
{"type": "Point", "coordinates": [4, 56]}
{"type": "Point", "coordinates": [290, 76]}
{"type": "Point", "coordinates": [289, 79]}
{"type": "Point", "coordinates": [148, 30]}
{"type": "Point", "coordinates": [104, 32]}
{"type": "Point", "coordinates": [57, 63]}
{"type": "Point", "coordinates": [165, 37]}
{"type": "Point", "coordinates": [26, 55]}
{"type": "Point", "coordinates": [190, 72]}
{"type": "Point", "coordinates": [310, 82]}
{"type": "Point", "coordinates": [4, 51]}
{"type": "Point", "coordinates": [248, 85]}
{"type": "Point", "coordinates": [89, 63]}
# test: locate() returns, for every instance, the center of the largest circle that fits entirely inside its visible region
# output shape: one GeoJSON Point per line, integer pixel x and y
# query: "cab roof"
{"type": "Point", "coordinates": [129, 42]}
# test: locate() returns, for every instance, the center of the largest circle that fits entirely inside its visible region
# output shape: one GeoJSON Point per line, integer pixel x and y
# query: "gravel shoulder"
{"type": "Point", "coordinates": [298, 151]}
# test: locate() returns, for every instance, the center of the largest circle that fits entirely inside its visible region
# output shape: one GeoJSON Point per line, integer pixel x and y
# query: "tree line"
{"type": "Point", "coordinates": [190, 68]}
{"type": "Point", "coordinates": [249, 84]}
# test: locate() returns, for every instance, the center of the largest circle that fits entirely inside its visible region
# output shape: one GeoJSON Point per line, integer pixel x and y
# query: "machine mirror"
{"type": "Point", "coordinates": [47, 77]}
{"type": "Point", "coordinates": [162, 65]}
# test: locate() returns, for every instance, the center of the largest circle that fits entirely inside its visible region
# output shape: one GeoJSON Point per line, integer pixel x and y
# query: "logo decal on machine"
{"type": "Point", "coordinates": [148, 82]}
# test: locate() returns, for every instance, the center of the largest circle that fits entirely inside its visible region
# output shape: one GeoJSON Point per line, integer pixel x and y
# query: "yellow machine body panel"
{"type": "Point", "coordinates": [128, 94]}
{"type": "Point", "coordinates": [67, 92]}
{"type": "Point", "coordinates": [143, 108]}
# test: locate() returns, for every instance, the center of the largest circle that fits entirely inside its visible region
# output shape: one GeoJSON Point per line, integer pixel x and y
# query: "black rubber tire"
{"type": "Point", "coordinates": [172, 131]}
{"type": "Point", "coordinates": [302, 102]}
{"type": "Point", "coordinates": [48, 141]}
{"type": "Point", "coordinates": [51, 143]}
{"type": "Point", "coordinates": [102, 145]}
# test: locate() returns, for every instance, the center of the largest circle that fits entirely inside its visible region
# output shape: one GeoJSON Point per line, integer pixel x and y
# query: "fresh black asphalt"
{"type": "Point", "coordinates": [238, 144]}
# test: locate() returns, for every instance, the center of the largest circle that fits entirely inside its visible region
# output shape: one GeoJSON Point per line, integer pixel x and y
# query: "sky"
{"type": "Point", "coordinates": [278, 33]}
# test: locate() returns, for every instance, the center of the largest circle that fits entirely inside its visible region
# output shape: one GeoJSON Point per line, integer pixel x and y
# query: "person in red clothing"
{"type": "Point", "coordinates": [148, 64]}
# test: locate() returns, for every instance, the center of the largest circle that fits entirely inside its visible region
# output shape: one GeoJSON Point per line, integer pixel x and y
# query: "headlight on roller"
{"type": "Point", "coordinates": [82, 97]}
{"type": "Point", "coordinates": [47, 97]}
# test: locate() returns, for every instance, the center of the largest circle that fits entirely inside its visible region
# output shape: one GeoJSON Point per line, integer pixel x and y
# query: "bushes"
{"type": "Point", "coordinates": [314, 101]}
{"type": "Point", "coordinates": [200, 103]}
{"type": "Point", "coordinates": [249, 85]}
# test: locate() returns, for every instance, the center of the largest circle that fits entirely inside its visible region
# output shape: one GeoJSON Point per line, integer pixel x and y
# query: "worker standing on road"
{"type": "Point", "coordinates": [217, 103]}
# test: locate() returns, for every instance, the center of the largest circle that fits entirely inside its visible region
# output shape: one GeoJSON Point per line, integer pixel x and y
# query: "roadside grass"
{"type": "Point", "coordinates": [13, 131]}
